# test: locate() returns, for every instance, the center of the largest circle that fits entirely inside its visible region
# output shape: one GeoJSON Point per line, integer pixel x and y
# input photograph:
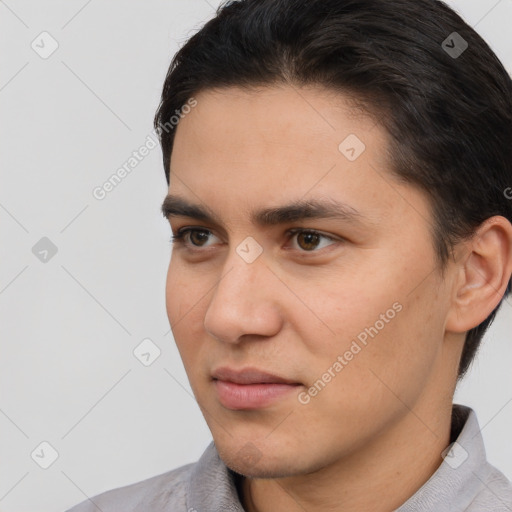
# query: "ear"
{"type": "Point", "coordinates": [483, 274]}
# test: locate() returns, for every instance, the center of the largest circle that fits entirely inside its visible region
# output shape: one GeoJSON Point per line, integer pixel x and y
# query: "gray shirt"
{"type": "Point", "coordinates": [465, 481]}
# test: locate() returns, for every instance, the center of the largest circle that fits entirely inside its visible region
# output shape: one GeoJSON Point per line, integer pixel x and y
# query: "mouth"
{"type": "Point", "coordinates": [250, 388]}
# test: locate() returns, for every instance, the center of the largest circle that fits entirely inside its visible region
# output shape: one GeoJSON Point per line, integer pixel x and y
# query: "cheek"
{"type": "Point", "coordinates": [345, 306]}
{"type": "Point", "coordinates": [400, 359]}
{"type": "Point", "coordinates": [173, 300]}
{"type": "Point", "coordinates": [376, 379]}
{"type": "Point", "coordinates": [385, 335]}
{"type": "Point", "coordinates": [183, 293]}
{"type": "Point", "coordinates": [185, 299]}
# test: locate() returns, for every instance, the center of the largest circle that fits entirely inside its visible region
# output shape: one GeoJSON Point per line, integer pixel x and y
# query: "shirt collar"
{"type": "Point", "coordinates": [453, 486]}
{"type": "Point", "coordinates": [461, 476]}
{"type": "Point", "coordinates": [211, 486]}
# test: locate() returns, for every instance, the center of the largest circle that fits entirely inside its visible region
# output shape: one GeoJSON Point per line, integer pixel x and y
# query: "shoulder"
{"type": "Point", "coordinates": [157, 493]}
{"type": "Point", "coordinates": [495, 493]}
{"type": "Point", "coordinates": [465, 481]}
{"type": "Point", "coordinates": [491, 489]}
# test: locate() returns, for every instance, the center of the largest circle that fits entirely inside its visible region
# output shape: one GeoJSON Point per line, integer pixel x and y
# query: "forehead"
{"type": "Point", "coordinates": [267, 145]}
{"type": "Point", "coordinates": [289, 122]}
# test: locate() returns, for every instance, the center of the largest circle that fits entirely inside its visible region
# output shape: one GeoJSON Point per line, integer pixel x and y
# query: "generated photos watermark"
{"type": "Point", "coordinates": [357, 345]}
{"type": "Point", "coordinates": [100, 192]}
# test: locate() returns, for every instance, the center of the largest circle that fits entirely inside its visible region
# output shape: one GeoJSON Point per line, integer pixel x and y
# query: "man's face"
{"type": "Point", "coordinates": [352, 316]}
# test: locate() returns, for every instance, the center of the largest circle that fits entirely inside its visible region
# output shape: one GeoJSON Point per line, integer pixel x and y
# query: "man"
{"type": "Point", "coordinates": [342, 239]}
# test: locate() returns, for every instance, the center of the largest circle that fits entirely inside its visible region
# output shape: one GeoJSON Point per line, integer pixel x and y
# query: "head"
{"type": "Point", "coordinates": [363, 104]}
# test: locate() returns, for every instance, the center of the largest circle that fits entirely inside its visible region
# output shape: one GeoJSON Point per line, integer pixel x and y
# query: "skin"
{"type": "Point", "coordinates": [376, 432]}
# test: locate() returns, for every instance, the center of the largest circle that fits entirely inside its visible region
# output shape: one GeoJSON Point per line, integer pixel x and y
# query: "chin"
{"type": "Point", "coordinates": [268, 462]}
{"type": "Point", "coordinates": [259, 470]}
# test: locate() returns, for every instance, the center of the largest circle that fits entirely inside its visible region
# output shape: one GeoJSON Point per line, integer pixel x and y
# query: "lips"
{"type": "Point", "coordinates": [250, 388]}
{"type": "Point", "coordinates": [249, 376]}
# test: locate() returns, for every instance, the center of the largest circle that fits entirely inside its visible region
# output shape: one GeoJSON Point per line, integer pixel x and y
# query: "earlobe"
{"type": "Point", "coordinates": [484, 275]}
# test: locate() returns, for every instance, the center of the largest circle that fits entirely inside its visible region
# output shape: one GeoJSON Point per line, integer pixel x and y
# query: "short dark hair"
{"type": "Point", "coordinates": [447, 106]}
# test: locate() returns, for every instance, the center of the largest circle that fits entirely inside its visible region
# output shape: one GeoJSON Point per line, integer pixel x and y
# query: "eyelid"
{"type": "Point", "coordinates": [184, 231]}
{"type": "Point", "coordinates": [292, 231]}
{"type": "Point", "coordinates": [179, 237]}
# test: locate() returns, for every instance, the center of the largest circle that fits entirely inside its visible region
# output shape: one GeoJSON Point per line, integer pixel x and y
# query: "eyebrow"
{"type": "Point", "coordinates": [176, 206]}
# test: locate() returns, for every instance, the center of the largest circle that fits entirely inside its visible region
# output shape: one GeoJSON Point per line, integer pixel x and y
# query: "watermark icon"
{"type": "Point", "coordinates": [44, 250]}
{"type": "Point", "coordinates": [44, 45]}
{"type": "Point", "coordinates": [249, 454]}
{"type": "Point", "coordinates": [249, 249]}
{"type": "Point", "coordinates": [455, 455]}
{"type": "Point", "coordinates": [304, 397]}
{"type": "Point", "coordinates": [454, 45]}
{"type": "Point", "coordinates": [508, 192]}
{"type": "Point", "coordinates": [351, 147]}
{"type": "Point", "coordinates": [44, 455]}
{"type": "Point", "coordinates": [147, 352]}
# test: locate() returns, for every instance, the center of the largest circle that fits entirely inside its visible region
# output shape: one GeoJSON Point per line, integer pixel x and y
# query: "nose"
{"type": "Point", "coordinates": [245, 301]}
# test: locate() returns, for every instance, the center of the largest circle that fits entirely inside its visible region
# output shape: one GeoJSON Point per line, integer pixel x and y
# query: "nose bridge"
{"type": "Point", "coordinates": [242, 300]}
{"type": "Point", "coordinates": [243, 269]}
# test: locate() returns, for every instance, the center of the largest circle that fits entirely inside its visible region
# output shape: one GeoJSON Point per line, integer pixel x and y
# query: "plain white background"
{"type": "Point", "coordinates": [69, 325]}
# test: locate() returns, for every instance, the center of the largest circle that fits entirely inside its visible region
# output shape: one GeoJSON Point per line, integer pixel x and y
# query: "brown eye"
{"type": "Point", "coordinates": [308, 240]}
{"type": "Point", "coordinates": [191, 237]}
{"type": "Point", "coordinates": [197, 237]}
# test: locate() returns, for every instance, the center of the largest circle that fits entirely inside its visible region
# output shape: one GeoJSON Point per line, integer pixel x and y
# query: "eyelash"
{"type": "Point", "coordinates": [179, 238]}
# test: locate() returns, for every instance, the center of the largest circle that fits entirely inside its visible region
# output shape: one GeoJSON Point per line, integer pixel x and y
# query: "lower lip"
{"type": "Point", "coordinates": [251, 396]}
